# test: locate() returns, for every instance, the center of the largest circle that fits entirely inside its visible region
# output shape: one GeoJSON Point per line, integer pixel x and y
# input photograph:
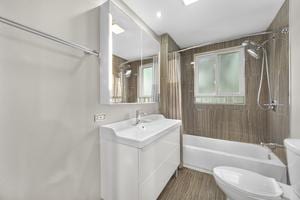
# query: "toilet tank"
{"type": "Point", "coordinates": [293, 159]}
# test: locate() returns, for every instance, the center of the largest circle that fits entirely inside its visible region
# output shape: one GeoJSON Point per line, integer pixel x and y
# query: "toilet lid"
{"type": "Point", "coordinates": [248, 182]}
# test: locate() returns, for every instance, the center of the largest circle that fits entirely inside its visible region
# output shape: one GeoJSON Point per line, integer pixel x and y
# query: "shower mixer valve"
{"type": "Point", "coordinates": [274, 104]}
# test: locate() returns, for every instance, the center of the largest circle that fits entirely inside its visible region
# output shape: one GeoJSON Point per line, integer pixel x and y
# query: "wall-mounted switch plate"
{"type": "Point", "coordinates": [99, 117]}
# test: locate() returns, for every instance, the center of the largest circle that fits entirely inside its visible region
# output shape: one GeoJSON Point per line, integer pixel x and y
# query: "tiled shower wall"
{"type": "Point", "coordinates": [246, 123]}
{"type": "Point", "coordinates": [278, 122]}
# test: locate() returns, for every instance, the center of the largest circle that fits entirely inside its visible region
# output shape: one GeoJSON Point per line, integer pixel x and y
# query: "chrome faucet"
{"type": "Point", "coordinates": [272, 146]}
{"type": "Point", "coordinates": [138, 115]}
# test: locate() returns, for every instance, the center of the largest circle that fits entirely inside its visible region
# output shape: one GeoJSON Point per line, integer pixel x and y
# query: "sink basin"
{"type": "Point", "coordinates": [147, 131]}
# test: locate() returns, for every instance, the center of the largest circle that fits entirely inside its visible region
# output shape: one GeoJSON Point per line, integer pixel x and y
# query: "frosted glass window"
{"type": "Point", "coordinates": [206, 75]}
{"type": "Point", "coordinates": [147, 81]}
{"type": "Point", "coordinates": [219, 77]}
{"type": "Point", "coordinates": [230, 73]}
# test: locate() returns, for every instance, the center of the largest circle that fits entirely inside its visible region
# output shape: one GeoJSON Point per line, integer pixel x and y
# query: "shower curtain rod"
{"type": "Point", "coordinates": [48, 36]}
{"type": "Point", "coordinates": [233, 38]}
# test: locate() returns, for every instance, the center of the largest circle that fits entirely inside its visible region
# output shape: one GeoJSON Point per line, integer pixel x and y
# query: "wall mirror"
{"type": "Point", "coordinates": [129, 60]}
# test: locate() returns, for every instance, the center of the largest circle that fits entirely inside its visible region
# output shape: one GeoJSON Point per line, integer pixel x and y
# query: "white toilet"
{"type": "Point", "coordinates": [239, 184]}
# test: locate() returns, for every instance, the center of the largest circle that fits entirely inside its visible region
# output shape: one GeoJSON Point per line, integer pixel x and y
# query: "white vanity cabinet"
{"type": "Point", "coordinates": [137, 161]}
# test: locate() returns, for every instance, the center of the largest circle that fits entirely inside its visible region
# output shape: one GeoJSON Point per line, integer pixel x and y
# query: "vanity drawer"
{"type": "Point", "coordinates": [158, 162]}
{"type": "Point", "coordinates": [152, 156]}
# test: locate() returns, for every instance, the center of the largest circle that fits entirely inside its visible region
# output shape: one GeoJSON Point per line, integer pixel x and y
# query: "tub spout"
{"type": "Point", "coordinates": [272, 146]}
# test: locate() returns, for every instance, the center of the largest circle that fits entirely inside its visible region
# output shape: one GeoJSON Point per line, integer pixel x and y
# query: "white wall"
{"type": "Point", "coordinates": [48, 96]}
{"type": "Point", "coordinates": [295, 67]}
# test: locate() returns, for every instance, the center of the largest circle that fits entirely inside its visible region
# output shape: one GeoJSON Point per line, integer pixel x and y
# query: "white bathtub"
{"type": "Point", "coordinates": [203, 154]}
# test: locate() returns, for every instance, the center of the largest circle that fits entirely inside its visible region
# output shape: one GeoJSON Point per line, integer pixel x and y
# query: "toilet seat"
{"type": "Point", "coordinates": [248, 183]}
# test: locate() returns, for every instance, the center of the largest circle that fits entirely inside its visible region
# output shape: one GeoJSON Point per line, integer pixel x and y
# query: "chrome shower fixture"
{"type": "Point", "coordinates": [128, 73]}
{"type": "Point", "coordinates": [254, 53]}
{"type": "Point", "coordinates": [252, 48]}
{"type": "Point", "coordinates": [249, 43]}
{"type": "Point", "coordinates": [245, 43]}
{"type": "Point", "coordinates": [258, 51]}
{"type": "Point", "coordinates": [284, 30]}
{"type": "Point", "coordinates": [255, 49]}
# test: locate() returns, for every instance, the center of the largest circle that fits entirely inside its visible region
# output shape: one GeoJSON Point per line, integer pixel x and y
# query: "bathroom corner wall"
{"type": "Point", "coordinates": [245, 123]}
{"type": "Point", "coordinates": [49, 93]}
{"type": "Point", "coordinates": [295, 68]}
{"type": "Point", "coordinates": [167, 45]}
{"type": "Point", "coordinates": [278, 122]}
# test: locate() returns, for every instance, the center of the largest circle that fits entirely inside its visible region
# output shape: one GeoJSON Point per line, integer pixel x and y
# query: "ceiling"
{"type": "Point", "coordinates": [206, 20]}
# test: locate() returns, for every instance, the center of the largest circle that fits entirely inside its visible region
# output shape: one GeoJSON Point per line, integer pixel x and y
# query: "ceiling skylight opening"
{"type": "Point", "coordinates": [116, 29]}
{"type": "Point", "coordinates": [189, 2]}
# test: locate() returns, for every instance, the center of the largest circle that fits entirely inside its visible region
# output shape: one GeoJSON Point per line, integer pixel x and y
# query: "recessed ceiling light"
{"type": "Point", "coordinates": [158, 14]}
{"type": "Point", "coordinates": [189, 2]}
{"type": "Point", "coordinates": [116, 29]}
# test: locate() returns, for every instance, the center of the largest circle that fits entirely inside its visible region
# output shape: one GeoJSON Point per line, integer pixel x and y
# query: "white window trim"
{"type": "Point", "coordinates": [216, 54]}
{"type": "Point", "coordinates": [141, 79]}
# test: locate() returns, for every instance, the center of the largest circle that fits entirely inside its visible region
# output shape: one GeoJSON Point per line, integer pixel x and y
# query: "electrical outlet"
{"type": "Point", "coordinates": [99, 117]}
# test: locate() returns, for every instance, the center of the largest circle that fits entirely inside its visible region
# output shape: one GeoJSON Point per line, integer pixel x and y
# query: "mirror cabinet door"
{"type": "Point", "coordinates": [126, 57]}
{"type": "Point", "coordinates": [133, 66]}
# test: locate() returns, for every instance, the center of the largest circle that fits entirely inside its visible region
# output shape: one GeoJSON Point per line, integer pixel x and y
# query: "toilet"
{"type": "Point", "coordinates": [240, 184]}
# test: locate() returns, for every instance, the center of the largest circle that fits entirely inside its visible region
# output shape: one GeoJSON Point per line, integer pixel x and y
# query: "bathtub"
{"type": "Point", "coordinates": [203, 154]}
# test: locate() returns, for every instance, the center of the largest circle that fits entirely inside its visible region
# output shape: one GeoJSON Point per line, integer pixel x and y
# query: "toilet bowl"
{"type": "Point", "coordinates": [240, 184]}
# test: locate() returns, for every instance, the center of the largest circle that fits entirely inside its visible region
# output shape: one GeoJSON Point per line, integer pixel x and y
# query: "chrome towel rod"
{"type": "Point", "coordinates": [47, 36]}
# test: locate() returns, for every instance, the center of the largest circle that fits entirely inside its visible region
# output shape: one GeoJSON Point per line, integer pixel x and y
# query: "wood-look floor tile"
{"type": "Point", "coordinates": [192, 185]}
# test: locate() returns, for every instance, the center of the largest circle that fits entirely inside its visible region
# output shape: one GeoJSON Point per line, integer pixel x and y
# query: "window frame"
{"type": "Point", "coordinates": [141, 80]}
{"type": "Point", "coordinates": [217, 56]}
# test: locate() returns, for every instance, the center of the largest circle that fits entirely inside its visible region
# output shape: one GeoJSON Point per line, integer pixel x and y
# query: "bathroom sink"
{"type": "Point", "coordinates": [142, 156]}
{"type": "Point", "coordinates": [150, 128]}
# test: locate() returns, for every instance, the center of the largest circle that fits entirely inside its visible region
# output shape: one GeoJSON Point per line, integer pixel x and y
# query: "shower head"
{"type": "Point", "coordinates": [252, 48]}
{"type": "Point", "coordinates": [128, 73]}
{"type": "Point", "coordinates": [254, 53]}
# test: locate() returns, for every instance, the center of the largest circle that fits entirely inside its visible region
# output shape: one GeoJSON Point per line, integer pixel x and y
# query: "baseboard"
{"type": "Point", "coordinates": [198, 169]}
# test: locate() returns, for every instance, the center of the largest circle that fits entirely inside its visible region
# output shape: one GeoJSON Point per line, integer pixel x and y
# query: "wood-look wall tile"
{"type": "Point", "coordinates": [223, 121]}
